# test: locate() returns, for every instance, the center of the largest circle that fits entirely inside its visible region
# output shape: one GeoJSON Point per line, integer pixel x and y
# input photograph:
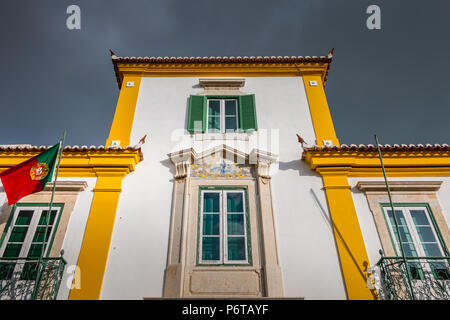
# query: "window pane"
{"type": "Point", "coordinates": [406, 236]}
{"type": "Point", "coordinates": [12, 250]}
{"type": "Point", "coordinates": [419, 217]}
{"type": "Point", "coordinates": [35, 250]}
{"type": "Point", "coordinates": [432, 250]}
{"type": "Point", "coordinates": [230, 107]}
{"type": "Point", "coordinates": [6, 270]}
{"type": "Point", "coordinates": [18, 234]}
{"type": "Point", "coordinates": [230, 124]}
{"type": "Point", "coordinates": [426, 234]}
{"type": "Point", "coordinates": [39, 234]}
{"type": "Point", "coordinates": [235, 202]}
{"type": "Point", "coordinates": [43, 218]}
{"type": "Point", "coordinates": [211, 224]}
{"type": "Point", "coordinates": [400, 218]}
{"type": "Point", "coordinates": [214, 108]}
{"type": "Point", "coordinates": [415, 271]}
{"type": "Point", "coordinates": [236, 248]}
{"type": "Point", "coordinates": [29, 271]}
{"type": "Point", "coordinates": [235, 225]}
{"type": "Point", "coordinates": [409, 250]}
{"type": "Point", "coordinates": [441, 270]}
{"type": "Point", "coordinates": [211, 202]}
{"type": "Point", "coordinates": [24, 218]}
{"type": "Point", "coordinates": [213, 124]}
{"type": "Point", "coordinates": [210, 248]}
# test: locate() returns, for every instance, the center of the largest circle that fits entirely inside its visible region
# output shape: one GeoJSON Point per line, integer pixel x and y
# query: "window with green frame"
{"type": "Point", "coordinates": [222, 114]}
{"type": "Point", "coordinates": [223, 227]}
{"type": "Point", "coordinates": [420, 237]}
{"type": "Point", "coordinates": [24, 236]}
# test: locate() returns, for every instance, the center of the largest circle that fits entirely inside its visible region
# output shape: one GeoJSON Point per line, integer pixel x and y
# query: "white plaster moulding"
{"type": "Point", "coordinates": [77, 186]}
{"type": "Point", "coordinates": [374, 186]}
{"type": "Point", "coordinates": [221, 83]}
{"type": "Point", "coordinates": [253, 157]}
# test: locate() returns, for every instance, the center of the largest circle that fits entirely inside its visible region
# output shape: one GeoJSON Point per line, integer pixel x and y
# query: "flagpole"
{"type": "Point", "coordinates": [395, 218]}
{"type": "Point", "coordinates": [39, 270]}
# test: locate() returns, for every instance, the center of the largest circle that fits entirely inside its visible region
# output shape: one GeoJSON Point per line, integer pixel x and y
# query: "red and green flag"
{"type": "Point", "coordinates": [30, 176]}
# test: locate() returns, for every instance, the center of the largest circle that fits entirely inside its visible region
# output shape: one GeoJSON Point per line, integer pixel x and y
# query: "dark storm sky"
{"type": "Point", "coordinates": [393, 81]}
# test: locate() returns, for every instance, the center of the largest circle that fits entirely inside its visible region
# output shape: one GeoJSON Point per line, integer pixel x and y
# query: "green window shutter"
{"type": "Point", "coordinates": [197, 113]}
{"type": "Point", "coordinates": [247, 113]}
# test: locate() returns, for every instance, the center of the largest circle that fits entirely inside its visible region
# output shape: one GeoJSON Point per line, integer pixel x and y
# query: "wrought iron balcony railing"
{"type": "Point", "coordinates": [420, 278]}
{"type": "Point", "coordinates": [18, 278]}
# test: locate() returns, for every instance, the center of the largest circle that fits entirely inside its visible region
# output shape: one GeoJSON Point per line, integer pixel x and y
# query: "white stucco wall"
{"type": "Point", "coordinates": [365, 216]}
{"type": "Point", "coordinates": [139, 244]}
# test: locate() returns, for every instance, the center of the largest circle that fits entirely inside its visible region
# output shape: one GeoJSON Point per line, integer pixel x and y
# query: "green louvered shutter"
{"type": "Point", "coordinates": [197, 113]}
{"type": "Point", "coordinates": [247, 113]}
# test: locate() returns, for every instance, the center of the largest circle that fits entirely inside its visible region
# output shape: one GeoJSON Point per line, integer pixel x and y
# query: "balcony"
{"type": "Point", "coordinates": [427, 278]}
{"type": "Point", "coordinates": [18, 278]}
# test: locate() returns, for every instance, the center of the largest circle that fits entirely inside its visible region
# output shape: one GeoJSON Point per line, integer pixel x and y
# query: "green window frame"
{"type": "Point", "coordinates": [23, 236]}
{"type": "Point", "coordinates": [420, 237]}
{"type": "Point", "coordinates": [222, 114]}
{"type": "Point", "coordinates": [223, 227]}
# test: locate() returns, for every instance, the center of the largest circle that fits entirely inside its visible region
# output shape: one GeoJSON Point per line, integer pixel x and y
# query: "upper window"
{"type": "Point", "coordinates": [223, 224]}
{"type": "Point", "coordinates": [419, 238]}
{"type": "Point", "coordinates": [222, 114]}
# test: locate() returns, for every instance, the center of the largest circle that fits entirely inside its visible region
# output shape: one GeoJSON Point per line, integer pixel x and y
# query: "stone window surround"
{"type": "Point", "coordinates": [183, 278]}
{"type": "Point", "coordinates": [65, 192]}
{"type": "Point", "coordinates": [420, 192]}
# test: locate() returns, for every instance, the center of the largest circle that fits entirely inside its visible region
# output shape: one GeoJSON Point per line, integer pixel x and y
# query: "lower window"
{"type": "Point", "coordinates": [223, 227]}
{"type": "Point", "coordinates": [419, 238]}
{"type": "Point", "coordinates": [25, 239]}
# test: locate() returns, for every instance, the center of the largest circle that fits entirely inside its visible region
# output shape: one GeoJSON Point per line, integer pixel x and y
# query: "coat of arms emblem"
{"type": "Point", "coordinates": [39, 171]}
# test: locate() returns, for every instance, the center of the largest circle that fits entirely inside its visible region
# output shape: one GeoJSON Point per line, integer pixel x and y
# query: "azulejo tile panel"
{"type": "Point", "coordinates": [223, 168]}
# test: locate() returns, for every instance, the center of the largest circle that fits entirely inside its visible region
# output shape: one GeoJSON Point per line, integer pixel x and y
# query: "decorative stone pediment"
{"type": "Point", "coordinates": [222, 162]}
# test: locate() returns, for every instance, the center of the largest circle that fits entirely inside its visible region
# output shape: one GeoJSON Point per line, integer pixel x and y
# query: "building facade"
{"type": "Point", "coordinates": [223, 201]}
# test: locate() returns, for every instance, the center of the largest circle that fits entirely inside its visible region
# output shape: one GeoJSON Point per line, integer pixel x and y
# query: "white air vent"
{"type": "Point", "coordinates": [115, 143]}
{"type": "Point", "coordinates": [327, 143]}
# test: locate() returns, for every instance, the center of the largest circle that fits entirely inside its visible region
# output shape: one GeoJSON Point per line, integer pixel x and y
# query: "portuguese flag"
{"type": "Point", "coordinates": [30, 176]}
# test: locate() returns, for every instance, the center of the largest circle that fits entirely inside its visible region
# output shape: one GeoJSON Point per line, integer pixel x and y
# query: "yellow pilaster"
{"type": "Point", "coordinates": [125, 110]}
{"type": "Point", "coordinates": [97, 236]}
{"type": "Point", "coordinates": [318, 106]}
{"type": "Point", "coordinates": [349, 240]}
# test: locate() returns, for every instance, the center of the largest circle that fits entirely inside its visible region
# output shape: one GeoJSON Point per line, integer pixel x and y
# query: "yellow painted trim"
{"type": "Point", "coordinates": [80, 164]}
{"type": "Point", "coordinates": [367, 164]}
{"type": "Point", "coordinates": [125, 110]}
{"type": "Point", "coordinates": [220, 69]}
{"type": "Point", "coordinates": [349, 240]}
{"type": "Point", "coordinates": [320, 112]}
{"type": "Point", "coordinates": [97, 236]}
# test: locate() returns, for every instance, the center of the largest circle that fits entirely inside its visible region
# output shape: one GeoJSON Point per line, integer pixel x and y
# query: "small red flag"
{"type": "Point", "coordinates": [30, 176]}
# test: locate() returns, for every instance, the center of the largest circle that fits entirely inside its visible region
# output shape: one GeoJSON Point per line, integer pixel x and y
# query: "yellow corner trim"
{"type": "Point", "coordinates": [125, 110]}
{"type": "Point", "coordinates": [97, 238]}
{"type": "Point", "coordinates": [349, 240]}
{"type": "Point", "coordinates": [320, 112]}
